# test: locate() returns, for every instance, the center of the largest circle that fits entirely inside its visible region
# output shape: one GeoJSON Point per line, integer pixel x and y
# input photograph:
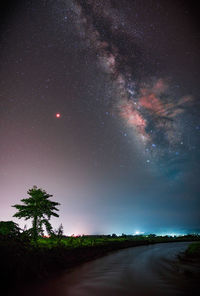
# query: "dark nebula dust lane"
{"type": "Point", "coordinates": [99, 105]}
{"type": "Point", "coordinates": [145, 270]}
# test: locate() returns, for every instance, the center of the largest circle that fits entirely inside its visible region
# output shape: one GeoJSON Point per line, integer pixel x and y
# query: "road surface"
{"type": "Point", "coordinates": [140, 271]}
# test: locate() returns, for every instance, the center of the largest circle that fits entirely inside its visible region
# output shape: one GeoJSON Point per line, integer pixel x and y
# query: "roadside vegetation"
{"type": "Point", "coordinates": [193, 250]}
{"type": "Point", "coordinates": [102, 240]}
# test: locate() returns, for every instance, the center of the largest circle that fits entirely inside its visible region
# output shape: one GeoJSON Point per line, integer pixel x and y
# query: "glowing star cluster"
{"type": "Point", "coordinates": [130, 114]}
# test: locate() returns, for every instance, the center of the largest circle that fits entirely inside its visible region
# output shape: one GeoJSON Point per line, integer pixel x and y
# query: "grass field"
{"type": "Point", "coordinates": [81, 241]}
{"type": "Point", "coordinates": [87, 241]}
{"type": "Point", "coordinates": [193, 249]}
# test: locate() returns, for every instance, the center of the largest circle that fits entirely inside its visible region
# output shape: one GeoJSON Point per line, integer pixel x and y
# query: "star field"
{"type": "Point", "coordinates": [99, 105]}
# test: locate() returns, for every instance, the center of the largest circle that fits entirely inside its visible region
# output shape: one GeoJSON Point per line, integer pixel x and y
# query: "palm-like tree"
{"type": "Point", "coordinates": [39, 208]}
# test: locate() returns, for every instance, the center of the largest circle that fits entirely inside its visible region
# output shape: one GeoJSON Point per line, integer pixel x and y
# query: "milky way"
{"type": "Point", "coordinates": [146, 104]}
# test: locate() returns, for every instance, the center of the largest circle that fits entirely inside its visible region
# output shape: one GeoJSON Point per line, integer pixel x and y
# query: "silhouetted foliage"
{"type": "Point", "coordinates": [152, 235]}
{"type": "Point", "coordinates": [39, 208]}
{"type": "Point", "coordinates": [58, 234]}
{"type": "Point", "coordinates": [9, 228]}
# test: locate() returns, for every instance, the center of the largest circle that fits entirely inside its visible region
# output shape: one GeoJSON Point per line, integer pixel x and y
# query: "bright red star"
{"type": "Point", "coordinates": [57, 115]}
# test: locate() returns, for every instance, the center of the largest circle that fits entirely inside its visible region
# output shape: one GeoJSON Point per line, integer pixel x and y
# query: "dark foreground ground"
{"type": "Point", "coordinates": [22, 262]}
{"type": "Point", "coordinates": [153, 270]}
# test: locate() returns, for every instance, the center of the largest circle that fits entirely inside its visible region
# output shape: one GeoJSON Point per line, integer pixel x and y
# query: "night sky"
{"type": "Point", "coordinates": [99, 106]}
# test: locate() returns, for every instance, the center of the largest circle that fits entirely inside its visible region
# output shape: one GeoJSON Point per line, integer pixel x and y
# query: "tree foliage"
{"type": "Point", "coordinates": [9, 228]}
{"type": "Point", "coordinates": [39, 208]}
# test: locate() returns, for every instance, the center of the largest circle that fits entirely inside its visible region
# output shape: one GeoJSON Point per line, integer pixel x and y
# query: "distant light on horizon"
{"type": "Point", "coordinates": [137, 232]}
{"type": "Point", "coordinates": [173, 234]}
{"type": "Point", "coordinates": [58, 115]}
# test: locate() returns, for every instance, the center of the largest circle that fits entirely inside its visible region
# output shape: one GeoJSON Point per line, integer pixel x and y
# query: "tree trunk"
{"type": "Point", "coordinates": [35, 230]}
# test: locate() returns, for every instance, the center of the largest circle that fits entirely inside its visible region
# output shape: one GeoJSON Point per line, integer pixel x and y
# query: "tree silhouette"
{"type": "Point", "coordinates": [39, 208]}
